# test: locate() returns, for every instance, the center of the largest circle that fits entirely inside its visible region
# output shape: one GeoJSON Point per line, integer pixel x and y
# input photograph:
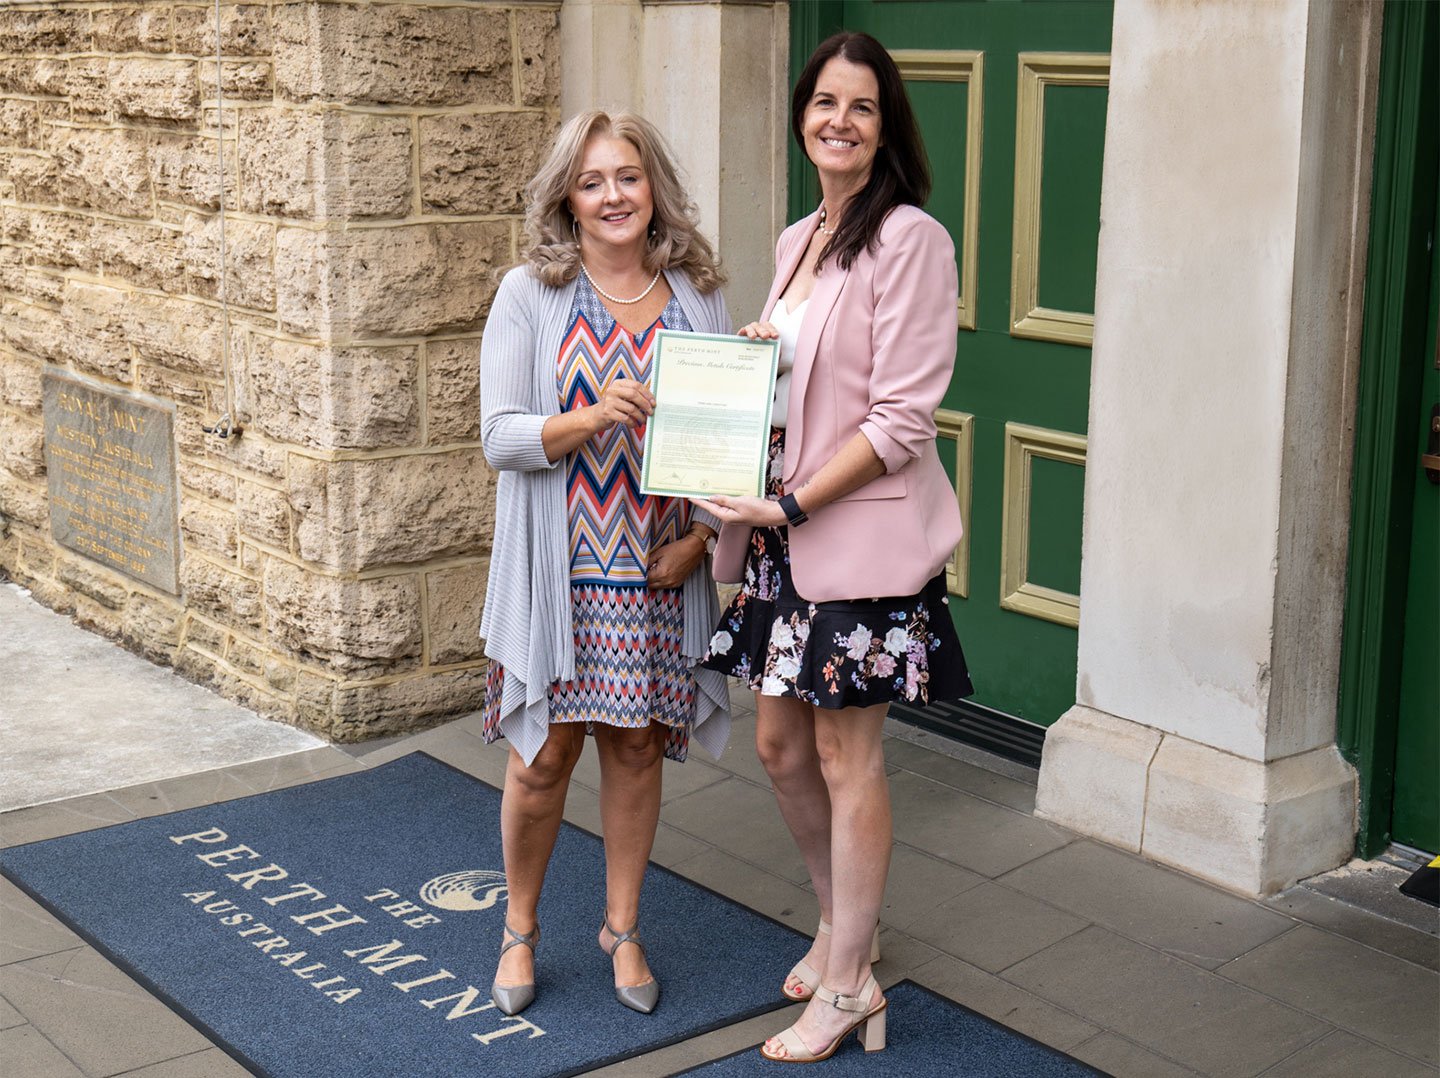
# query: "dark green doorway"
{"type": "Point", "coordinates": [1011, 99]}
{"type": "Point", "coordinates": [1390, 666]}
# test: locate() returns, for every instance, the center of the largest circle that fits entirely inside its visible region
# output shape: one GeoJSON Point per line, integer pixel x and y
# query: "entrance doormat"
{"type": "Point", "coordinates": [351, 927]}
{"type": "Point", "coordinates": [927, 1036]}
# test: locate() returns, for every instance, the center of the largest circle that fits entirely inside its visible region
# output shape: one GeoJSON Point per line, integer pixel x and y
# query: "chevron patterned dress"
{"type": "Point", "coordinates": [629, 669]}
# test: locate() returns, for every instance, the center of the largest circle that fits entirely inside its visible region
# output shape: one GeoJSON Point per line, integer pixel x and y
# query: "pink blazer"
{"type": "Point", "coordinates": [876, 351]}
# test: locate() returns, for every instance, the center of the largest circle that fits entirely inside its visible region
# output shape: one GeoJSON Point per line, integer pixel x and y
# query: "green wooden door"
{"type": "Point", "coordinates": [1011, 100]}
{"type": "Point", "coordinates": [1416, 819]}
{"type": "Point", "coordinates": [1389, 704]}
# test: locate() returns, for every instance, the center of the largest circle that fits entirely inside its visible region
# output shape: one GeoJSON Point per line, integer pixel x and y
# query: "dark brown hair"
{"type": "Point", "coordinates": [900, 173]}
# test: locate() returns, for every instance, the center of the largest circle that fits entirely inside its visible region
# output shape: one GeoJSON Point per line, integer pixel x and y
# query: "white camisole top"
{"type": "Point", "coordinates": [788, 323]}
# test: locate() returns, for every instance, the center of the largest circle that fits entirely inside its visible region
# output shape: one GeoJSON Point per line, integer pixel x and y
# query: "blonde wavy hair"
{"type": "Point", "coordinates": [674, 242]}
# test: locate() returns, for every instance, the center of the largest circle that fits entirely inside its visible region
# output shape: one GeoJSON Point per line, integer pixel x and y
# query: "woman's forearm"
{"type": "Point", "coordinates": [848, 470]}
{"type": "Point", "coordinates": [567, 432]}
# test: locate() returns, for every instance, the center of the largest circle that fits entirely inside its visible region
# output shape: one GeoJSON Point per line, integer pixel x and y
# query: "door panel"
{"type": "Point", "coordinates": [949, 85]}
{"type": "Point", "coordinates": [1070, 196]}
{"type": "Point", "coordinates": [1011, 101]}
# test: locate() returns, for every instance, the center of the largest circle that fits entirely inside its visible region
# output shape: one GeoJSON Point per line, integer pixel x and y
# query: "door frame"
{"type": "Point", "coordinates": [1382, 492]}
{"type": "Point", "coordinates": [810, 23]}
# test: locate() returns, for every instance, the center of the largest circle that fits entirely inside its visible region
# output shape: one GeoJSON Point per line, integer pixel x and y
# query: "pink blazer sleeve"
{"type": "Point", "coordinates": [912, 339]}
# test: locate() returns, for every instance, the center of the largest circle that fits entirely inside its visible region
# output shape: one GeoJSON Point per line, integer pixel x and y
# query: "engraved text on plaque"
{"type": "Point", "coordinates": [111, 462]}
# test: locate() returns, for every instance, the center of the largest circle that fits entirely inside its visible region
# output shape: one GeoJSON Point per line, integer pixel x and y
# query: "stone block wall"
{"type": "Point", "coordinates": [374, 155]}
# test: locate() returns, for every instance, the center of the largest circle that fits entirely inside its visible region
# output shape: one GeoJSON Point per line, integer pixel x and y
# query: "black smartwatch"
{"type": "Point", "coordinates": [794, 515]}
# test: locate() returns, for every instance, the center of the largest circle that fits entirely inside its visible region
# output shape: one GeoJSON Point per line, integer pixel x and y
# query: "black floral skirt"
{"type": "Point", "coordinates": [844, 653]}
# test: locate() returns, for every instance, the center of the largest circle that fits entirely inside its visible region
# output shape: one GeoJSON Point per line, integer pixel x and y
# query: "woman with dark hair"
{"type": "Point", "coordinates": [843, 607]}
{"type": "Point", "coordinates": [599, 602]}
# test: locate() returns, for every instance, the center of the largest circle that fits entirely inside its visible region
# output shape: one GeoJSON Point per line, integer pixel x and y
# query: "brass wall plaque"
{"type": "Point", "coordinates": [110, 456]}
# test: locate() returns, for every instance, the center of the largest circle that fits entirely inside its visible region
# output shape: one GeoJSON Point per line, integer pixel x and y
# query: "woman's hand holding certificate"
{"type": "Point", "coordinates": [624, 401]}
{"type": "Point", "coordinates": [711, 420]}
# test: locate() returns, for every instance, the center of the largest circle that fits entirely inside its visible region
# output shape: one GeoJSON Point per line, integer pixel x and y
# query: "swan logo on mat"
{"type": "Point", "coordinates": [472, 889]}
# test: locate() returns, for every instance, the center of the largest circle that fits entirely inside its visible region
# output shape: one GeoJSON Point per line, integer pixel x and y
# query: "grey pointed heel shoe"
{"type": "Point", "coordinates": [514, 998]}
{"type": "Point", "coordinates": [638, 997]}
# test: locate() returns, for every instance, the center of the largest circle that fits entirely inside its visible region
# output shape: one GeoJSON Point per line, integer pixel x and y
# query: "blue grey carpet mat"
{"type": "Point", "coordinates": [927, 1036]}
{"type": "Point", "coordinates": [350, 927]}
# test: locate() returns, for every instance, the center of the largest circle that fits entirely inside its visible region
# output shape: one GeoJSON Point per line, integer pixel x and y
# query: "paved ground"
{"type": "Point", "coordinates": [79, 715]}
{"type": "Point", "coordinates": [1131, 967]}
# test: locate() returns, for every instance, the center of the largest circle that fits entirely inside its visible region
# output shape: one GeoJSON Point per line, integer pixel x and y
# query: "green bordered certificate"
{"type": "Point", "coordinates": [711, 426]}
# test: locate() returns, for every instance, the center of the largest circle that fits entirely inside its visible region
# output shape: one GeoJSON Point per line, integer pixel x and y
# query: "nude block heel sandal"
{"type": "Point", "coordinates": [805, 973]}
{"type": "Point", "coordinates": [869, 1027]}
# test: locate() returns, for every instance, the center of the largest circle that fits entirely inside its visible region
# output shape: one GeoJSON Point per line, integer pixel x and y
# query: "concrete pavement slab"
{"type": "Point", "coordinates": [1379, 997]}
{"type": "Point", "coordinates": [40, 822]}
{"type": "Point", "coordinates": [25, 1053]}
{"type": "Point", "coordinates": [115, 713]}
{"type": "Point", "coordinates": [739, 757]}
{"type": "Point", "coordinates": [681, 780]}
{"type": "Point", "coordinates": [673, 848]}
{"type": "Point", "coordinates": [918, 883]}
{"type": "Point", "coordinates": [986, 785]}
{"type": "Point", "coordinates": [28, 930]}
{"type": "Point", "coordinates": [1169, 1006]}
{"type": "Point", "coordinates": [1375, 885]}
{"type": "Point", "coordinates": [1125, 1059]}
{"type": "Point", "coordinates": [582, 808]}
{"type": "Point", "coordinates": [901, 954]}
{"type": "Point", "coordinates": [211, 1063]}
{"type": "Point", "coordinates": [278, 772]}
{"type": "Point", "coordinates": [965, 830]}
{"type": "Point", "coordinates": [1148, 903]}
{"type": "Point", "coordinates": [451, 743]}
{"type": "Point", "coordinates": [987, 994]}
{"type": "Point", "coordinates": [1344, 1055]}
{"type": "Point", "coordinates": [677, 779]}
{"type": "Point", "coordinates": [458, 743]}
{"type": "Point", "coordinates": [185, 792]}
{"type": "Point", "coordinates": [741, 819]}
{"type": "Point", "coordinates": [993, 927]}
{"type": "Point", "coordinates": [9, 1016]}
{"type": "Point", "coordinates": [1360, 925]}
{"type": "Point", "coordinates": [760, 890]}
{"type": "Point", "coordinates": [98, 1017]}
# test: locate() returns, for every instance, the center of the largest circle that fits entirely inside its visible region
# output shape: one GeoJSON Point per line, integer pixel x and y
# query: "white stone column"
{"type": "Point", "coordinates": [1234, 213]}
{"type": "Point", "coordinates": [712, 75]}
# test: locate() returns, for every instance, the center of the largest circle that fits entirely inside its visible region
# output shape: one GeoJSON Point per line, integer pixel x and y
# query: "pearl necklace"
{"type": "Point", "coordinates": [616, 299]}
{"type": "Point", "coordinates": [821, 225]}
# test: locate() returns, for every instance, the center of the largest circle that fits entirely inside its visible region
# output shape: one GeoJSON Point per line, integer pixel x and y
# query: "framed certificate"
{"type": "Point", "coordinates": [711, 426]}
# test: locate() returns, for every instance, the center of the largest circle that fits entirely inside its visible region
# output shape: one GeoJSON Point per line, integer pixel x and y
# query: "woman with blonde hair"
{"type": "Point", "coordinates": [600, 600]}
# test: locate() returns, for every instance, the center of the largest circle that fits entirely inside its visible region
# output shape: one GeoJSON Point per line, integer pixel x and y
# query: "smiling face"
{"type": "Point", "coordinates": [611, 197]}
{"type": "Point", "coordinates": [842, 123]}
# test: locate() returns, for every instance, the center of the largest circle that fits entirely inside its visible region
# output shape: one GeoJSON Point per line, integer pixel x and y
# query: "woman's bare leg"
{"type": "Point", "coordinates": [530, 812]}
{"type": "Point", "coordinates": [785, 743]}
{"type": "Point", "coordinates": [853, 763]}
{"type": "Point", "coordinates": [630, 776]}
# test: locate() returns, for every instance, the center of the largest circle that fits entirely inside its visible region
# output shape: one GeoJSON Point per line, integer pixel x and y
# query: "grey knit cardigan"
{"type": "Point", "coordinates": [526, 623]}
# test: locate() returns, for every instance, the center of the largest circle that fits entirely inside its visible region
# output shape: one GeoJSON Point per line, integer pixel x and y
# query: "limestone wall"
{"type": "Point", "coordinates": [334, 555]}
